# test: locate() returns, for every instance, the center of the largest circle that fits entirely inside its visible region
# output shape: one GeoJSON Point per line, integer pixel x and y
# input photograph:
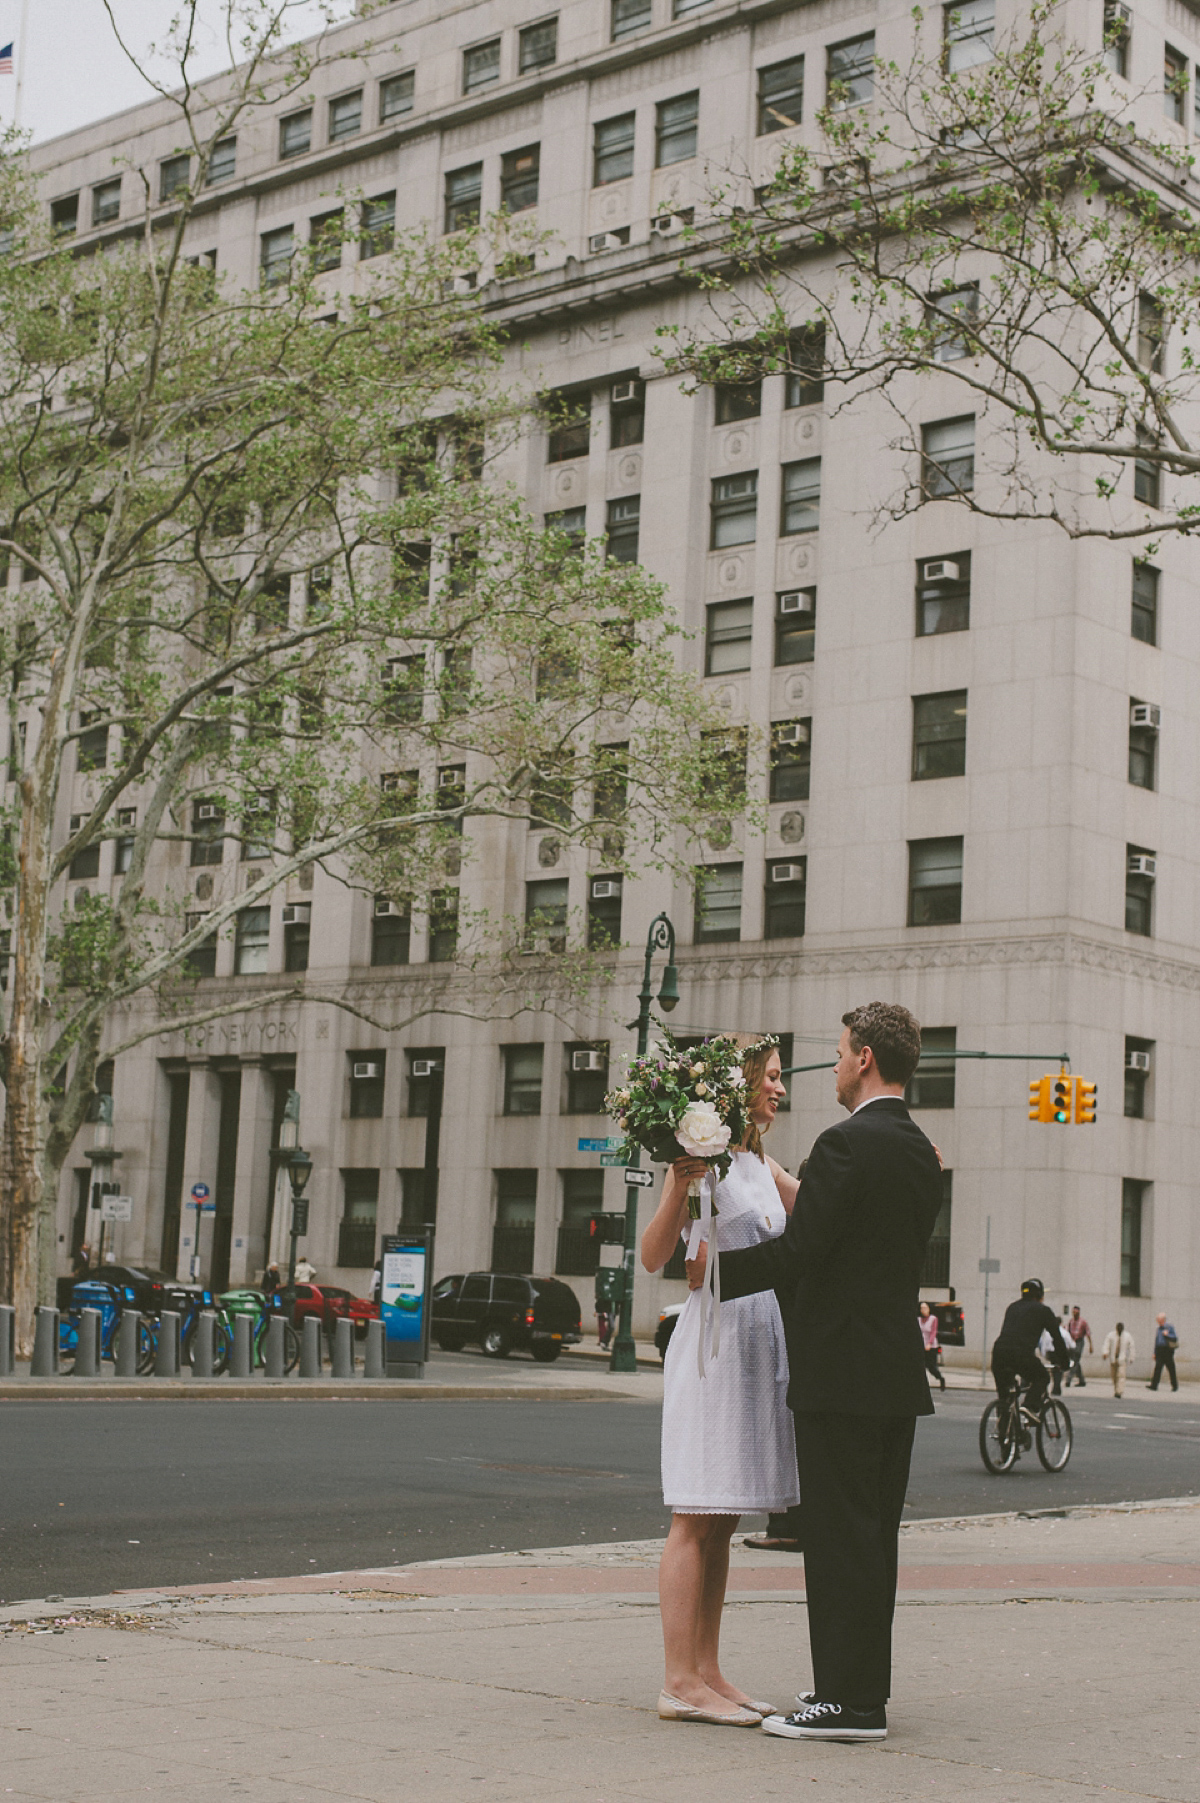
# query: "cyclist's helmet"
{"type": "Point", "coordinates": [1033, 1286]}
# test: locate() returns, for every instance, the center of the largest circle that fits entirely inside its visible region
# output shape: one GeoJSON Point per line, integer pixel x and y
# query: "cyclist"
{"type": "Point", "coordinates": [1014, 1355]}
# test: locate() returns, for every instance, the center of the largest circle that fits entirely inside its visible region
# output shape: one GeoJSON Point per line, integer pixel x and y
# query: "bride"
{"type": "Point", "coordinates": [728, 1446]}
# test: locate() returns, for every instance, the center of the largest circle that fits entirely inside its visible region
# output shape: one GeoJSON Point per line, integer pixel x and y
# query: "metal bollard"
{"type": "Point", "coordinates": [310, 1348]}
{"type": "Point", "coordinates": [128, 1337]}
{"type": "Point", "coordinates": [343, 1347]}
{"type": "Point", "coordinates": [243, 1346]}
{"type": "Point", "coordinates": [204, 1343]}
{"type": "Point", "coordinates": [276, 1330]}
{"type": "Point", "coordinates": [373, 1363]}
{"type": "Point", "coordinates": [166, 1359]}
{"type": "Point", "coordinates": [45, 1344]}
{"type": "Point", "coordinates": [87, 1349]}
{"type": "Point", "coordinates": [8, 1339]}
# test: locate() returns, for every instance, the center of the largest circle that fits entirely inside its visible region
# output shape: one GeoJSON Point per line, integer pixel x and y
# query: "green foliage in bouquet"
{"type": "Point", "coordinates": [676, 1102]}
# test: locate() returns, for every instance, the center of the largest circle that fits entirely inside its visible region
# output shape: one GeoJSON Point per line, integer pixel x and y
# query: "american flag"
{"type": "Point", "coordinates": [6, 60]}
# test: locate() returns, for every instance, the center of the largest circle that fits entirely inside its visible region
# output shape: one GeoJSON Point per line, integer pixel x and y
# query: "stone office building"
{"type": "Point", "coordinates": [964, 813]}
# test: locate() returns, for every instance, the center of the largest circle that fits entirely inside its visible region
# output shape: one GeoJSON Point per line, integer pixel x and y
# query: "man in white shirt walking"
{"type": "Point", "coordinates": [1117, 1352]}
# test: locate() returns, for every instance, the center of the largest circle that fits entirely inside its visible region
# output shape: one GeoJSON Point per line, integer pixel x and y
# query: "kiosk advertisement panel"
{"type": "Point", "coordinates": [404, 1300]}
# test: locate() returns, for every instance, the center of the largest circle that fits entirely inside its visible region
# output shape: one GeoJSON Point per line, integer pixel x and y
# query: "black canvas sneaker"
{"type": "Point", "coordinates": [829, 1721]}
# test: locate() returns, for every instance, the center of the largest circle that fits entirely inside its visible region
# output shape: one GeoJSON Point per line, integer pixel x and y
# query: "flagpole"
{"type": "Point", "coordinates": [24, 32]}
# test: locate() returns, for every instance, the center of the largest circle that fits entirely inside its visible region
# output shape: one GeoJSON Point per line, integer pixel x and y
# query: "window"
{"type": "Point", "coordinates": [345, 116]}
{"type": "Point", "coordinates": [1133, 1209]}
{"type": "Point", "coordinates": [92, 746]}
{"type": "Point", "coordinates": [367, 1071]}
{"type": "Point", "coordinates": [258, 826]}
{"type": "Point", "coordinates": [522, 1078]}
{"type": "Point", "coordinates": [123, 848]}
{"type": "Point", "coordinates": [416, 1210]}
{"type": "Point", "coordinates": [627, 417]}
{"type": "Point", "coordinates": [513, 1232]}
{"type": "Point", "coordinates": [420, 1078]}
{"type": "Point", "coordinates": [1116, 36]}
{"type": "Point", "coordinates": [944, 594]}
{"type": "Point", "coordinates": [623, 526]}
{"type": "Point", "coordinates": [612, 151]}
{"type": "Point", "coordinates": [208, 832]}
{"type": "Point", "coordinates": [935, 1273]}
{"type": "Point", "coordinates": [546, 906]}
{"type": "Point", "coordinates": [604, 912]}
{"type": "Point", "coordinates": [64, 216]}
{"type": "Point", "coordinates": [297, 935]}
{"type": "Point", "coordinates": [587, 1076]}
{"type": "Point", "coordinates": [932, 1083]}
{"type": "Point", "coordinates": [464, 193]}
{"type": "Point", "coordinates": [850, 71]}
{"type": "Point", "coordinates": [572, 523]}
{"type": "Point", "coordinates": [1140, 868]}
{"type": "Point", "coordinates": [443, 926]}
{"type": "Point", "coordinates": [578, 1254]}
{"type": "Point", "coordinates": [173, 176]}
{"type": "Point", "coordinates": [222, 164]}
{"type": "Point", "coordinates": [537, 46]}
{"type": "Point", "coordinates": [737, 400]}
{"type": "Point", "coordinates": [570, 426]}
{"type": "Point", "coordinates": [1143, 744]}
{"type": "Point", "coordinates": [295, 133]}
{"type": "Point", "coordinates": [378, 226]}
{"type": "Point", "coordinates": [1196, 101]}
{"type": "Point", "coordinates": [795, 626]}
{"type": "Point", "coordinates": [252, 943]}
{"type": "Point", "coordinates": [629, 16]}
{"type": "Point", "coordinates": [935, 870]}
{"type": "Point", "coordinates": [106, 201]}
{"type": "Point", "coordinates": [275, 256]}
{"type": "Point", "coordinates": [1151, 333]}
{"type": "Point", "coordinates": [970, 28]}
{"type": "Point", "coordinates": [1139, 1064]}
{"type": "Point", "coordinates": [481, 66]}
{"type": "Point", "coordinates": [939, 735]}
{"type": "Point", "coordinates": [86, 863]}
{"type": "Point", "coordinates": [326, 233]}
{"type": "Point", "coordinates": [202, 959]}
{"type": "Point", "coordinates": [783, 915]}
{"type": "Point", "coordinates": [1147, 475]}
{"type": "Point", "coordinates": [357, 1228]}
{"type": "Point", "coordinates": [391, 931]}
{"type": "Point", "coordinates": [396, 96]}
{"type": "Point", "coordinates": [676, 123]}
{"type": "Point", "coordinates": [727, 638]}
{"type": "Point", "coordinates": [948, 456]}
{"type": "Point", "coordinates": [1144, 618]}
{"type": "Point", "coordinates": [801, 508]}
{"type": "Point", "coordinates": [519, 178]}
{"type": "Point", "coordinates": [780, 95]}
{"type": "Point", "coordinates": [805, 383]}
{"type": "Point", "coordinates": [1175, 84]}
{"type": "Point", "coordinates": [734, 510]}
{"type": "Point", "coordinates": [952, 317]}
{"type": "Point", "coordinates": [718, 904]}
{"type": "Point", "coordinates": [791, 759]}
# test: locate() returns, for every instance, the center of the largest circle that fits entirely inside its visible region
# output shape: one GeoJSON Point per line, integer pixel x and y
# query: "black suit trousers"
{"type": "Point", "coordinates": [853, 1477]}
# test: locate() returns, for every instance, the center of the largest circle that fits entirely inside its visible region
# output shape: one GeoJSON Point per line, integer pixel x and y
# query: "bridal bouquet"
{"type": "Point", "coordinates": [674, 1102]}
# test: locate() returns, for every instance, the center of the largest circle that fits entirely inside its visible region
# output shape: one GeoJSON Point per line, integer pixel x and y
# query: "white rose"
{"type": "Point", "coordinates": [735, 1077]}
{"type": "Point", "coordinates": [702, 1089]}
{"type": "Point", "coordinates": [697, 1070]}
{"type": "Point", "coordinates": [702, 1132]}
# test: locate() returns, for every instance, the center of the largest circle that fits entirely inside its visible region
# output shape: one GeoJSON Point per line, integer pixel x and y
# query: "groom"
{"type": "Point", "coordinates": [848, 1266]}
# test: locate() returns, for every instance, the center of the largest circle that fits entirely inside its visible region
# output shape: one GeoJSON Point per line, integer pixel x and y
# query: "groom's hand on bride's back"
{"type": "Point", "coordinates": [696, 1267]}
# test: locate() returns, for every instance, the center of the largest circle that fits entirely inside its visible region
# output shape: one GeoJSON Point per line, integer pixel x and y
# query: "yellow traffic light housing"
{"type": "Point", "coordinates": [1040, 1108]}
{"type": "Point", "coordinates": [1061, 1113]}
{"type": "Point", "coordinates": [1085, 1103]}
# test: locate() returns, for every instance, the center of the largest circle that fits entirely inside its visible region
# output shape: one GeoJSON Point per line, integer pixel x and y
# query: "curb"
{"type": "Point", "coordinates": [293, 1390]}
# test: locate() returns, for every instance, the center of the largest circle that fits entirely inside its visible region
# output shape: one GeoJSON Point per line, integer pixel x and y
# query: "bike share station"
{"type": "Point", "coordinates": [405, 1288]}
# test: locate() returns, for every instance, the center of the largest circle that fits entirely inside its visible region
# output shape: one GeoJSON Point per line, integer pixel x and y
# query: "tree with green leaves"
{"type": "Point", "coordinates": [262, 582]}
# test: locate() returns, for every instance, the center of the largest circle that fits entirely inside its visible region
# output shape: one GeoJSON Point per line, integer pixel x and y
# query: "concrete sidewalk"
{"type": "Point", "coordinates": [1052, 1654]}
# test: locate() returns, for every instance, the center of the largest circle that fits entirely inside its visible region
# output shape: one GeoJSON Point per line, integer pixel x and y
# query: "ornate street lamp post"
{"type": "Point", "coordinates": [299, 1170]}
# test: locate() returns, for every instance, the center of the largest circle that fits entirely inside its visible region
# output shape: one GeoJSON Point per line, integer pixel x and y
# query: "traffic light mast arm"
{"type": "Point", "coordinates": [1062, 1058]}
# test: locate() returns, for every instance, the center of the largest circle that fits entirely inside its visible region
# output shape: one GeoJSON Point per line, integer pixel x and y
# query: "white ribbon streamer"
{"type": "Point", "coordinates": [710, 1289]}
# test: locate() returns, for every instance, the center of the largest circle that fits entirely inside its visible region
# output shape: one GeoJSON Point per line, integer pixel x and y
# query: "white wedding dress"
{"type": "Point", "coordinates": [728, 1445]}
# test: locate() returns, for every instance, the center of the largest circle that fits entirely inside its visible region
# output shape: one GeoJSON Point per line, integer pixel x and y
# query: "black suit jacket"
{"type": "Point", "coordinates": [848, 1267]}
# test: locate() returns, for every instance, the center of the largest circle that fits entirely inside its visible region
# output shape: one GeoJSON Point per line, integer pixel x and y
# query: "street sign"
{"type": "Point", "coordinates": [615, 1159]}
{"type": "Point", "coordinates": [638, 1179]}
{"type": "Point", "coordinates": [600, 1145]}
{"type": "Point", "coordinates": [989, 1266]}
{"type": "Point", "coordinates": [116, 1208]}
{"type": "Point", "coordinates": [200, 1192]}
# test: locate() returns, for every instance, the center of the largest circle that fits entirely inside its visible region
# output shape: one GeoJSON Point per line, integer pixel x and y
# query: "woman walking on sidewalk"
{"type": "Point", "coordinates": [929, 1333]}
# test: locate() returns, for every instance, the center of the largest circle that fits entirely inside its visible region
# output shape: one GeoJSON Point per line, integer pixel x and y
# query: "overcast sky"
{"type": "Point", "coordinates": [76, 72]}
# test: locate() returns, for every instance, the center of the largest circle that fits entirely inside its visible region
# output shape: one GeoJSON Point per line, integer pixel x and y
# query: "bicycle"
{"type": "Point", "coordinates": [105, 1298]}
{"type": "Point", "coordinates": [1008, 1427]}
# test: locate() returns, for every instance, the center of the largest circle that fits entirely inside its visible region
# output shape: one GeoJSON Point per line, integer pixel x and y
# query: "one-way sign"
{"type": "Point", "coordinates": [638, 1179]}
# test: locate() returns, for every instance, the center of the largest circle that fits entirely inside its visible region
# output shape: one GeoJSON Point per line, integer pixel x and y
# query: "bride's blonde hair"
{"type": "Point", "coordinates": [754, 1065]}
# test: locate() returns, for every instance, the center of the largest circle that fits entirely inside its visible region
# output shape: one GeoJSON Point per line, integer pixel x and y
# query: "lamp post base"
{"type": "Point", "coordinates": [624, 1354]}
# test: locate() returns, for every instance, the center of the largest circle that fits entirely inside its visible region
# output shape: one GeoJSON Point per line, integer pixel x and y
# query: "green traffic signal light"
{"type": "Point", "coordinates": [1062, 1100]}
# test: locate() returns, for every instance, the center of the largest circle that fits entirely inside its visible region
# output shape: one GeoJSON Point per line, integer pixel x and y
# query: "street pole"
{"type": "Point", "coordinates": [433, 1133]}
{"type": "Point", "coordinates": [986, 1267]}
{"type": "Point", "coordinates": [661, 937]}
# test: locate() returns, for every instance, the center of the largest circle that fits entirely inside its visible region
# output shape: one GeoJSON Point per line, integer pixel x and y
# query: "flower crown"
{"type": "Point", "coordinates": [767, 1043]}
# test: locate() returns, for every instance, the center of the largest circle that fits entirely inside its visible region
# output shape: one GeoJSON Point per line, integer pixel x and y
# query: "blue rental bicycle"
{"type": "Point", "coordinates": [111, 1300]}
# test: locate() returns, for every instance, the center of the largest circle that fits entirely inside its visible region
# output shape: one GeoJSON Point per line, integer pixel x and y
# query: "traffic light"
{"type": "Point", "coordinates": [1085, 1103]}
{"type": "Point", "coordinates": [607, 1229]}
{"type": "Point", "coordinates": [1039, 1099]}
{"type": "Point", "coordinates": [1062, 1100]}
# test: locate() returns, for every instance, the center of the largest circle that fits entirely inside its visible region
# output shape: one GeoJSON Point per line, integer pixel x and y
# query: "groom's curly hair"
{"type": "Point", "coordinates": [893, 1034]}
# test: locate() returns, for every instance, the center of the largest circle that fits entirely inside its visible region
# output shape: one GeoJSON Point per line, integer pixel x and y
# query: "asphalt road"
{"type": "Point", "coordinates": [102, 1495]}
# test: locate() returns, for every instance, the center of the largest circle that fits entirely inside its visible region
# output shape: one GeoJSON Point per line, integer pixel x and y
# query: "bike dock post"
{"type": "Point", "coordinates": [310, 1348]}
{"type": "Point", "coordinates": [8, 1338]}
{"type": "Point", "coordinates": [128, 1335]}
{"type": "Point", "coordinates": [343, 1347]}
{"type": "Point", "coordinates": [276, 1335]}
{"type": "Point", "coordinates": [373, 1363]}
{"type": "Point", "coordinates": [87, 1352]}
{"type": "Point", "coordinates": [243, 1346]}
{"type": "Point", "coordinates": [166, 1359]}
{"type": "Point", "coordinates": [203, 1345]}
{"type": "Point", "coordinates": [45, 1344]}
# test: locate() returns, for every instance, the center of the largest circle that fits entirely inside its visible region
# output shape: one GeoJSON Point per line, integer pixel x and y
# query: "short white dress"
{"type": "Point", "coordinates": [728, 1444]}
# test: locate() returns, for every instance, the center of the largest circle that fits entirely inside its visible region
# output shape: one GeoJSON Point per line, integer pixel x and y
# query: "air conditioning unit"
{"type": "Point", "coordinates": [451, 778]}
{"type": "Point", "coordinates": [792, 732]}
{"type": "Point", "coordinates": [845, 175]}
{"type": "Point", "coordinates": [588, 1061]}
{"type": "Point", "coordinates": [606, 888]}
{"type": "Point", "coordinates": [384, 906]}
{"type": "Point", "coordinates": [297, 914]}
{"type": "Point", "coordinates": [424, 1067]}
{"type": "Point", "coordinates": [797, 601]}
{"type": "Point", "coordinates": [192, 921]}
{"type": "Point", "coordinates": [126, 816]}
{"type": "Point", "coordinates": [207, 811]}
{"type": "Point", "coordinates": [76, 822]}
{"type": "Point", "coordinates": [366, 1070]}
{"type": "Point", "coordinates": [941, 569]}
{"type": "Point", "coordinates": [669, 225]}
{"type": "Point", "coordinates": [1138, 1061]}
{"type": "Point", "coordinates": [466, 282]}
{"type": "Point", "coordinates": [606, 241]}
{"type": "Point", "coordinates": [622, 392]}
{"type": "Point", "coordinates": [395, 669]}
{"type": "Point", "coordinates": [787, 873]}
{"type": "Point", "coordinates": [1117, 14]}
{"type": "Point", "coordinates": [1141, 864]}
{"type": "Point", "coordinates": [391, 782]}
{"type": "Point", "coordinates": [1144, 714]}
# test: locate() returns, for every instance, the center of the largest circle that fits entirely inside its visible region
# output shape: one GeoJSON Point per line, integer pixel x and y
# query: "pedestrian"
{"type": "Point", "coordinates": [81, 1265]}
{"type": "Point", "coordinates": [1077, 1332]}
{"type": "Point", "coordinates": [1118, 1354]}
{"type": "Point", "coordinates": [305, 1273]}
{"type": "Point", "coordinates": [929, 1334]}
{"type": "Point", "coordinates": [271, 1280]}
{"type": "Point", "coordinates": [376, 1283]}
{"type": "Point", "coordinates": [604, 1325]}
{"type": "Point", "coordinates": [1165, 1342]}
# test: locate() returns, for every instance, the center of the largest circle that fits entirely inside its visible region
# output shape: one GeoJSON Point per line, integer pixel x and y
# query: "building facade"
{"type": "Point", "coordinates": [982, 799]}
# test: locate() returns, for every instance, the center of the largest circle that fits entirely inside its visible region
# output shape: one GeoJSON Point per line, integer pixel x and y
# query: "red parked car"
{"type": "Point", "coordinates": [327, 1302]}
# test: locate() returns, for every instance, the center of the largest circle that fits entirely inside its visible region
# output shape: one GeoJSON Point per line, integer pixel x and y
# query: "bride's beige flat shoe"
{"type": "Point", "coordinates": [674, 1709]}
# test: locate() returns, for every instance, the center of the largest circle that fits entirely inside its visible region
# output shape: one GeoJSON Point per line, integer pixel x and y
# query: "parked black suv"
{"type": "Point", "coordinates": [151, 1290]}
{"type": "Point", "coordinates": [506, 1314]}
